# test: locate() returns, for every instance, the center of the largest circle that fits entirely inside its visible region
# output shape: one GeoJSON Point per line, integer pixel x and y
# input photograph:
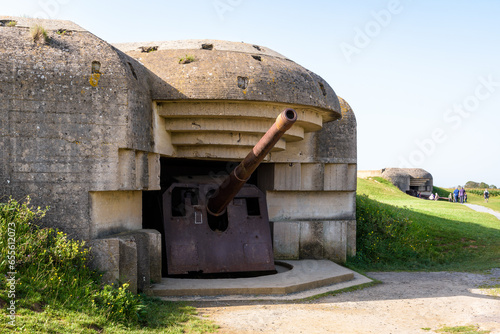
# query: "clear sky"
{"type": "Point", "coordinates": [423, 77]}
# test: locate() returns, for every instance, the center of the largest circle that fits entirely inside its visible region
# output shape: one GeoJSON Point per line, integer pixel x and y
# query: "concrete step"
{"type": "Point", "coordinates": [305, 275]}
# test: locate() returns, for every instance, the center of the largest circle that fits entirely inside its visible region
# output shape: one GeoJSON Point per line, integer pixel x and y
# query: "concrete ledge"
{"type": "Point", "coordinates": [312, 275]}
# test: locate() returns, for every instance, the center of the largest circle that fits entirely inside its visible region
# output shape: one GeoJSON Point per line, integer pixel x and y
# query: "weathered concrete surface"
{"type": "Point", "coordinates": [337, 141]}
{"type": "Point", "coordinates": [312, 186]}
{"type": "Point", "coordinates": [232, 71]}
{"type": "Point", "coordinates": [305, 275]}
{"type": "Point", "coordinates": [334, 239]}
{"type": "Point", "coordinates": [84, 124]}
{"type": "Point", "coordinates": [406, 179]}
{"type": "Point", "coordinates": [62, 125]}
{"type": "Point", "coordinates": [128, 264]}
{"type": "Point", "coordinates": [129, 257]}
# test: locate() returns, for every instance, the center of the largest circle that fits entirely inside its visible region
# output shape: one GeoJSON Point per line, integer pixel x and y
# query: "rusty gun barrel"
{"type": "Point", "coordinates": [218, 202]}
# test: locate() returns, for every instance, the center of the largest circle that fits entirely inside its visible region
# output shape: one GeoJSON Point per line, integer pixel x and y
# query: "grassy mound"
{"type": "Point", "coordinates": [399, 232]}
{"type": "Point", "coordinates": [47, 287]}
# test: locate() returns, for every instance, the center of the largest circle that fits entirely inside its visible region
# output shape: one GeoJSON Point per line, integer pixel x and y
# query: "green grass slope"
{"type": "Point", "coordinates": [47, 287]}
{"type": "Point", "coordinates": [399, 232]}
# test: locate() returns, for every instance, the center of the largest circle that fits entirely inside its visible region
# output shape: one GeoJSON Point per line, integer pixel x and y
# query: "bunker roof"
{"type": "Point", "coordinates": [222, 70]}
{"type": "Point", "coordinates": [416, 173]}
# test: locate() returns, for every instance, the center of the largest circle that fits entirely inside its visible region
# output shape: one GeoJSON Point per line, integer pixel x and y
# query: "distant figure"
{"type": "Point", "coordinates": [450, 197]}
{"type": "Point", "coordinates": [461, 194]}
{"type": "Point", "coordinates": [486, 195]}
{"type": "Point", "coordinates": [419, 194]}
{"type": "Point", "coordinates": [436, 197]}
{"type": "Point", "coordinates": [465, 197]}
{"type": "Point", "coordinates": [455, 195]}
{"type": "Point", "coordinates": [431, 197]}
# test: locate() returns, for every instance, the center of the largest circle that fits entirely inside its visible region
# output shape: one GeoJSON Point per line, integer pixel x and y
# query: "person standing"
{"type": "Point", "coordinates": [461, 194]}
{"type": "Point", "coordinates": [486, 195]}
{"type": "Point", "coordinates": [455, 195]}
{"type": "Point", "coordinates": [450, 197]}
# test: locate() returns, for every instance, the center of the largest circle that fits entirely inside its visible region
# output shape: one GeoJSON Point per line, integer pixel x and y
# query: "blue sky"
{"type": "Point", "coordinates": [423, 77]}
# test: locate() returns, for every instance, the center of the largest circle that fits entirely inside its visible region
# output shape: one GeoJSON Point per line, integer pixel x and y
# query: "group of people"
{"type": "Point", "coordinates": [433, 197]}
{"type": "Point", "coordinates": [458, 194]}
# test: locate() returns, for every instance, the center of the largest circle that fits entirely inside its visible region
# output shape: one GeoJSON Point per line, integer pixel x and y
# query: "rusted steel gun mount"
{"type": "Point", "coordinates": [218, 202]}
{"type": "Point", "coordinates": [225, 229]}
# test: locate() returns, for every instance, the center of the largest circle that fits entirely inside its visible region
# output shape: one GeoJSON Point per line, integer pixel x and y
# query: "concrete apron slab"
{"type": "Point", "coordinates": [307, 278]}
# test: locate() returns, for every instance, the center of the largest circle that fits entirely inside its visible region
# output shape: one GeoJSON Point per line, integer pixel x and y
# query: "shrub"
{"type": "Point", "coordinates": [480, 192]}
{"type": "Point", "coordinates": [53, 269]}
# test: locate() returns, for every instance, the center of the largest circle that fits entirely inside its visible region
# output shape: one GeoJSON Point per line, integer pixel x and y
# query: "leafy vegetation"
{"type": "Point", "coordinates": [493, 193]}
{"type": "Point", "coordinates": [47, 277]}
{"type": "Point", "coordinates": [399, 232]}
{"type": "Point", "coordinates": [482, 185]}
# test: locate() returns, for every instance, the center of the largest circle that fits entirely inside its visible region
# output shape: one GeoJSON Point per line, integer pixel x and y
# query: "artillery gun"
{"type": "Point", "coordinates": [222, 229]}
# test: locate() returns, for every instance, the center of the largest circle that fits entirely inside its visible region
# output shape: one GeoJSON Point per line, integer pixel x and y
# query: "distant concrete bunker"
{"type": "Point", "coordinates": [409, 180]}
{"type": "Point", "coordinates": [99, 132]}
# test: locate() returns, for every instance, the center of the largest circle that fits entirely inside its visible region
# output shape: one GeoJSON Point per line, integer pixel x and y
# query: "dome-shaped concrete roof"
{"type": "Point", "coordinates": [221, 70]}
{"type": "Point", "coordinates": [417, 173]}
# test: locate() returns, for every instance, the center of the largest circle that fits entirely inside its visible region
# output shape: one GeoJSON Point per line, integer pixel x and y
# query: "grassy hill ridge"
{"type": "Point", "coordinates": [399, 232]}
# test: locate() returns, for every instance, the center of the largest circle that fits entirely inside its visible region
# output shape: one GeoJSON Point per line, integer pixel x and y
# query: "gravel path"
{"type": "Point", "coordinates": [481, 208]}
{"type": "Point", "coordinates": [418, 302]}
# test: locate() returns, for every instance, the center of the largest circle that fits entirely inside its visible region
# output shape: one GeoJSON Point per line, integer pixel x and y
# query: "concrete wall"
{"type": "Point", "coordinates": [311, 193]}
{"type": "Point", "coordinates": [63, 126]}
{"type": "Point", "coordinates": [83, 126]}
{"type": "Point", "coordinates": [369, 173]}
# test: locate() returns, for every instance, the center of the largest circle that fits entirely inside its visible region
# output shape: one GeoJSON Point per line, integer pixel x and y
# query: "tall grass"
{"type": "Point", "coordinates": [39, 34]}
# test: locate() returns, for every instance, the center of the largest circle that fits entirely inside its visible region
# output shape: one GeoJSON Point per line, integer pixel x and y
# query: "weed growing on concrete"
{"type": "Point", "coordinates": [186, 59]}
{"type": "Point", "coordinates": [11, 24]}
{"type": "Point", "coordinates": [39, 34]}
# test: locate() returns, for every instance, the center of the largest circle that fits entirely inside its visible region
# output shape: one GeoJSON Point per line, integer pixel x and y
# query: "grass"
{"type": "Point", "coordinates": [39, 34]}
{"type": "Point", "coordinates": [46, 277]}
{"type": "Point", "coordinates": [468, 329]}
{"type": "Point", "coordinates": [493, 202]}
{"type": "Point", "coordinates": [11, 24]}
{"type": "Point", "coordinates": [475, 196]}
{"type": "Point", "coordinates": [186, 59]}
{"type": "Point", "coordinates": [399, 232]}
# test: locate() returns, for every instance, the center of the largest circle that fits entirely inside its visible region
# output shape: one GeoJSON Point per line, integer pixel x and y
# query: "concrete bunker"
{"type": "Point", "coordinates": [409, 180]}
{"type": "Point", "coordinates": [99, 145]}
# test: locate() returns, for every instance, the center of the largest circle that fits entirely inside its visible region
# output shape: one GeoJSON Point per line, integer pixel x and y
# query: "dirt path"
{"type": "Point", "coordinates": [481, 208]}
{"type": "Point", "coordinates": [404, 303]}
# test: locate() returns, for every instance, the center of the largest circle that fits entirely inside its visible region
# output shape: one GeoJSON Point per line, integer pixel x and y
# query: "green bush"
{"type": "Point", "coordinates": [53, 281]}
{"type": "Point", "coordinates": [52, 270]}
{"type": "Point", "coordinates": [480, 192]}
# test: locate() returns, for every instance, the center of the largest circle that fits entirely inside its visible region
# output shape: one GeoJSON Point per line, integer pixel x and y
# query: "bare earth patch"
{"type": "Point", "coordinates": [403, 303]}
